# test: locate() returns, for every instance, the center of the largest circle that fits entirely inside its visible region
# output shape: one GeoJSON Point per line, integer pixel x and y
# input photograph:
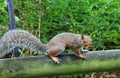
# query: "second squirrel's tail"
{"type": "Point", "coordinates": [22, 38]}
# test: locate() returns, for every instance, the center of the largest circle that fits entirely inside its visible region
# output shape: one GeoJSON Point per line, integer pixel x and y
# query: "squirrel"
{"type": "Point", "coordinates": [60, 42]}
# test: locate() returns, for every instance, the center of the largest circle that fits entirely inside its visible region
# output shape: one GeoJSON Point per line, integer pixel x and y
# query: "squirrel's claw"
{"type": "Point", "coordinates": [57, 62]}
{"type": "Point", "coordinates": [81, 56]}
{"type": "Point", "coordinates": [55, 59]}
{"type": "Point", "coordinates": [84, 58]}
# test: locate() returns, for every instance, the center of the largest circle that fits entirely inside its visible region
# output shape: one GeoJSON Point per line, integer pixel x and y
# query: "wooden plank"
{"type": "Point", "coordinates": [37, 66]}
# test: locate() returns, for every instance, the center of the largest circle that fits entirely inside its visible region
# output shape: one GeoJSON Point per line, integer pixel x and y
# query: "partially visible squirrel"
{"type": "Point", "coordinates": [54, 47]}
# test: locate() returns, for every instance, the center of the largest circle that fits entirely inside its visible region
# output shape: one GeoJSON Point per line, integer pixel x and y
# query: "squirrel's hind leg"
{"type": "Point", "coordinates": [54, 51]}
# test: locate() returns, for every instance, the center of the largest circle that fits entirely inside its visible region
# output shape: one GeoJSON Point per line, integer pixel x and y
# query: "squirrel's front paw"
{"type": "Point", "coordinates": [56, 60]}
{"type": "Point", "coordinates": [84, 58]}
{"type": "Point", "coordinates": [81, 56]}
{"type": "Point", "coordinates": [85, 50]}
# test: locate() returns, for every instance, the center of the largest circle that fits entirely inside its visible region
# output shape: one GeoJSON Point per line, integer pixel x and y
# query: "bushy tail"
{"type": "Point", "coordinates": [22, 38]}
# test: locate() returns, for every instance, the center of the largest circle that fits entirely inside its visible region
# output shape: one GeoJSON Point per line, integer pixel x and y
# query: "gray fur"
{"type": "Point", "coordinates": [14, 38]}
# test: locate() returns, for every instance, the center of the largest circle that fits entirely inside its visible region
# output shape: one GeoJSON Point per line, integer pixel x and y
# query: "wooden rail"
{"type": "Point", "coordinates": [37, 66]}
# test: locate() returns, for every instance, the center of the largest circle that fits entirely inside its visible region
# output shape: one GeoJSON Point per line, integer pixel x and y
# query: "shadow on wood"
{"type": "Point", "coordinates": [38, 66]}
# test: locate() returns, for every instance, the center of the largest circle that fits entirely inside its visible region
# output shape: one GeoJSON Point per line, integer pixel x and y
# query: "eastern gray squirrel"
{"type": "Point", "coordinates": [54, 47]}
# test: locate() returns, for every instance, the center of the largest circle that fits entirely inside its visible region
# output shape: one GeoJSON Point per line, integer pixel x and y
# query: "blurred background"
{"type": "Point", "coordinates": [46, 18]}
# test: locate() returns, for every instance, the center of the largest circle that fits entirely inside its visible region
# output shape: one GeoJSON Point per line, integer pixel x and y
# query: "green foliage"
{"type": "Point", "coordinates": [97, 17]}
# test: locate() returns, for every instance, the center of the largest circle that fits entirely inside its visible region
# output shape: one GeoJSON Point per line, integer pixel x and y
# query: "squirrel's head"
{"type": "Point", "coordinates": [86, 41]}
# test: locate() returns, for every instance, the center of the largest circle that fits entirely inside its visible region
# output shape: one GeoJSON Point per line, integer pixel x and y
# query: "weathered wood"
{"type": "Point", "coordinates": [36, 66]}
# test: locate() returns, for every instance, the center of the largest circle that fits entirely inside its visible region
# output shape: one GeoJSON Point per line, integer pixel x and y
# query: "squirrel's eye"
{"type": "Point", "coordinates": [84, 41]}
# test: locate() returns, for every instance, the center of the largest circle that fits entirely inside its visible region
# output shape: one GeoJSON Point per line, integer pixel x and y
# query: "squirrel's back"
{"type": "Point", "coordinates": [63, 37]}
{"type": "Point", "coordinates": [68, 40]}
{"type": "Point", "coordinates": [14, 38]}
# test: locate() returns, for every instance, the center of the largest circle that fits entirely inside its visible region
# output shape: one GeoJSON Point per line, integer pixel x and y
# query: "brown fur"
{"type": "Point", "coordinates": [72, 41]}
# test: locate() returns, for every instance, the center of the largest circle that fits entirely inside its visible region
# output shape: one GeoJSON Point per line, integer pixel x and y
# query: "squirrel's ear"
{"type": "Point", "coordinates": [82, 36]}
